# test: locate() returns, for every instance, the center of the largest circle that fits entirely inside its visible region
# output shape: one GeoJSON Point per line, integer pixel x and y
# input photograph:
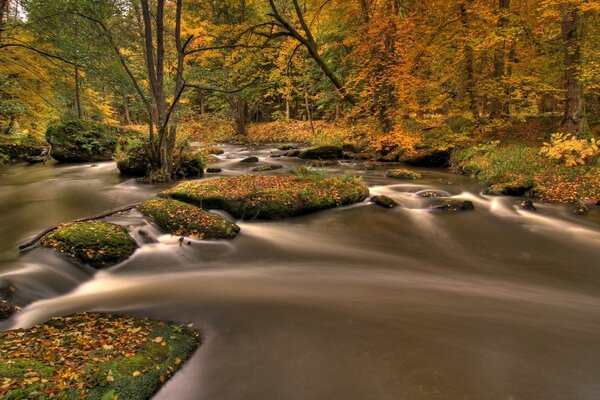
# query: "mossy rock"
{"type": "Point", "coordinates": [267, 167]}
{"type": "Point", "coordinates": [85, 141]}
{"type": "Point", "coordinates": [511, 185]}
{"type": "Point", "coordinates": [384, 201]}
{"type": "Point", "coordinates": [107, 357]}
{"type": "Point", "coordinates": [322, 153]}
{"type": "Point", "coordinates": [270, 197]}
{"type": "Point", "coordinates": [427, 157]}
{"type": "Point", "coordinates": [214, 150]}
{"type": "Point", "coordinates": [402, 173]}
{"type": "Point", "coordinates": [182, 219]}
{"type": "Point", "coordinates": [135, 160]}
{"type": "Point", "coordinates": [96, 243]}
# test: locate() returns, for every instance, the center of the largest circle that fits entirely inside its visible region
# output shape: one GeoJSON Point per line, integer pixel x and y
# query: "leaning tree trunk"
{"type": "Point", "coordinates": [574, 114]}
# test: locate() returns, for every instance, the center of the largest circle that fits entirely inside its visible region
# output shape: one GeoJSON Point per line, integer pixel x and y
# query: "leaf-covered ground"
{"type": "Point", "coordinates": [182, 219]}
{"type": "Point", "coordinates": [520, 169]}
{"type": "Point", "coordinates": [270, 197]}
{"type": "Point", "coordinates": [96, 243]}
{"type": "Point", "coordinates": [92, 356]}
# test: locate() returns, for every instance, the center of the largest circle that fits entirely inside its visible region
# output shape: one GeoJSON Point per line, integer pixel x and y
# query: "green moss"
{"type": "Point", "coordinates": [270, 197]}
{"type": "Point", "coordinates": [92, 355]}
{"type": "Point", "coordinates": [81, 141]}
{"type": "Point", "coordinates": [182, 219]}
{"type": "Point", "coordinates": [212, 150]}
{"type": "Point", "coordinates": [96, 243]}
{"type": "Point", "coordinates": [402, 173]}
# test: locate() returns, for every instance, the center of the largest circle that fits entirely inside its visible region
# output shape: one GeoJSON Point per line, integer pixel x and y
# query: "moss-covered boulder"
{"type": "Point", "coordinates": [182, 219]}
{"type": "Point", "coordinates": [322, 153]}
{"type": "Point", "coordinates": [455, 206]}
{"type": "Point", "coordinates": [270, 197]}
{"type": "Point", "coordinates": [384, 201]}
{"type": "Point", "coordinates": [96, 243]}
{"type": "Point", "coordinates": [214, 150]}
{"type": "Point", "coordinates": [135, 160]}
{"type": "Point", "coordinates": [402, 173]}
{"type": "Point", "coordinates": [84, 141]}
{"type": "Point", "coordinates": [427, 157]}
{"type": "Point", "coordinates": [92, 356]}
{"type": "Point", "coordinates": [267, 167]}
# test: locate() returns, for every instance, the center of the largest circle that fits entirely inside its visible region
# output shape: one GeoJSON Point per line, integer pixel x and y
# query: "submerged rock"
{"type": "Point", "coordinates": [267, 167]}
{"type": "Point", "coordinates": [526, 205]}
{"type": "Point", "coordinates": [181, 219]}
{"type": "Point", "coordinates": [97, 243]}
{"type": "Point", "coordinates": [7, 308]}
{"type": "Point", "coordinates": [323, 163]}
{"type": "Point", "coordinates": [287, 147]}
{"type": "Point", "coordinates": [6, 289]}
{"type": "Point", "coordinates": [270, 197]}
{"type": "Point", "coordinates": [213, 170]}
{"type": "Point", "coordinates": [384, 201]}
{"type": "Point", "coordinates": [455, 206]}
{"type": "Point", "coordinates": [402, 173]}
{"type": "Point", "coordinates": [322, 153]}
{"type": "Point", "coordinates": [250, 160]}
{"type": "Point", "coordinates": [293, 153]}
{"type": "Point", "coordinates": [580, 208]}
{"type": "Point", "coordinates": [84, 141]}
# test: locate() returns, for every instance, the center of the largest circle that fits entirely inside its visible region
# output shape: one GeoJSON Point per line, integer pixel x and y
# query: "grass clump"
{"type": "Point", "coordinates": [402, 173]}
{"type": "Point", "coordinates": [96, 243]}
{"type": "Point", "coordinates": [270, 197]}
{"type": "Point", "coordinates": [92, 356]}
{"type": "Point", "coordinates": [182, 219]}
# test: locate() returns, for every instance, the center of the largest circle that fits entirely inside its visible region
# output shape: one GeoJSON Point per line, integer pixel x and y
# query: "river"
{"type": "Point", "coordinates": [352, 303]}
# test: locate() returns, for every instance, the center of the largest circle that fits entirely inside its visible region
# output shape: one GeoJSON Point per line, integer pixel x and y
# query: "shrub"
{"type": "Point", "coordinates": [570, 150]}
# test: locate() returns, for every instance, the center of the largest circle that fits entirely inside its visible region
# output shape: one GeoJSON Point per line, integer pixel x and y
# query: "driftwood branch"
{"type": "Point", "coordinates": [33, 242]}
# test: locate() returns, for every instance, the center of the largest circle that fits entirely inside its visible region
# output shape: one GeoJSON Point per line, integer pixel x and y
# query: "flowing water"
{"type": "Point", "coordinates": [353, 303]}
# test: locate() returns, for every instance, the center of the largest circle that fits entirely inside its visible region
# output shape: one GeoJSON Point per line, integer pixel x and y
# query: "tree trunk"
{"type": "Point", "coordinates": [77, 93]}
{"type": "Point", "coordinates": [309, 114]}
{"type": "Point", "coordinates": [127, 114]}
{"type": "Point", "coordinates": [469, 80]}
{"type": "Point", "coordinates": [497, 103]}
{"type": "Point", "coordinates": [574, 115]}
